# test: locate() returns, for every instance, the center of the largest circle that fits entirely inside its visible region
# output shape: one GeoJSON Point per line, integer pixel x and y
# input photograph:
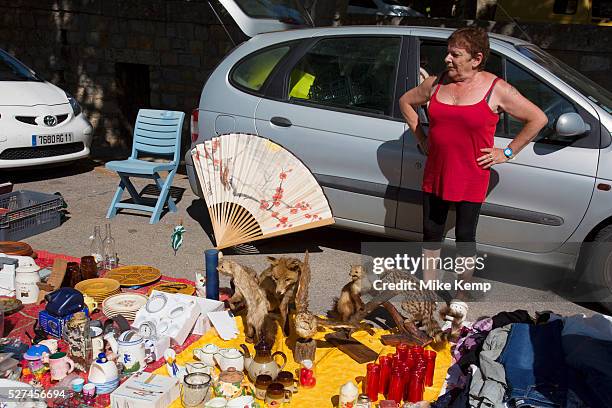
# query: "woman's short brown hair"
{"type": "Point", "coordinates": [474, 40]}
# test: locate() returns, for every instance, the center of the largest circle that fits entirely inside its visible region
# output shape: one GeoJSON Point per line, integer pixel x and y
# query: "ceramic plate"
{"type": "Point", "coordinates": [174, 287]}
{"type": "Point", "coordinates": [97, 286]}
{"type": "Point", "coordinates": [124, 302]}
{"type": "Point", "coordinates": [134, 275]}
{"type": "Point", "coordinates": [9, 305]}
{"type": "Point", "coordinates": [16, 248]}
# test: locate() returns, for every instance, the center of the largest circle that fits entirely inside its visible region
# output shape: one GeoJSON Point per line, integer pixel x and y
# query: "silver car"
{"type": "Point", "coordinates": [330, 95]}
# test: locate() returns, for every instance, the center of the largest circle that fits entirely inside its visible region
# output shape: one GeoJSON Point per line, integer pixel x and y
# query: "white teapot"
{"type": "Point", "coordinates": [230, 357]}
{"type": "Point", "coordinates": [131, 350]}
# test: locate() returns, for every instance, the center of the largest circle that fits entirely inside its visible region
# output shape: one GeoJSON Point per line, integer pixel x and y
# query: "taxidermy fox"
{"type": "Point", "coordinates": [279, 281]}
{"type": "Point", "coordinates": [259, 326]}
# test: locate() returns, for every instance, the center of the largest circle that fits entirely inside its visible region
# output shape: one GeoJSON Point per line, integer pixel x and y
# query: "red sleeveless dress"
{"type": "Point", "coordinates": [456, 135]}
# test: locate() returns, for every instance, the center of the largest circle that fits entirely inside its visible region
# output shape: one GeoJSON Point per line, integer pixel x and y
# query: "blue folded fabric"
{"type": "Point", "coordinates": [533, 359]}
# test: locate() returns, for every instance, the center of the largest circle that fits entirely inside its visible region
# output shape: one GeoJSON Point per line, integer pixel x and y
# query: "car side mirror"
{"type": "Point", "coordinates": [569, 125]}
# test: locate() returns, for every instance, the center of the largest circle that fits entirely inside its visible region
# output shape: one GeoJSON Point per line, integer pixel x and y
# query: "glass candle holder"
{"type": "Point", "coordinates": [385, 374]}
{"type": "Point", "coordinates": [372, 381]}
{"type": "Point", "coordinates": [430, 366]}
{"type": "Point", "coordinates": [194, 389]}
{"type": "Point", "coordinates": [396, 389]}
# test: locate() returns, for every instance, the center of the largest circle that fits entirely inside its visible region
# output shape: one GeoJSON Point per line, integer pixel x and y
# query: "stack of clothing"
{"type": "Point", "coordinates": [512, 360]}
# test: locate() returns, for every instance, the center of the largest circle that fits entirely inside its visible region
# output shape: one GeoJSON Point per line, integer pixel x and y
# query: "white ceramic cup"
{"type": "Point", "coordinates": [89, 390]}
{"type": "Point", "coordinates": [206, 354]}
{"type": "Point", "coordinates": [97, 341]}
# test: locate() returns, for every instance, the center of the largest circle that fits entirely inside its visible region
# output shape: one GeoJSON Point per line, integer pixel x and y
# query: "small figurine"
{"type": "Point", "coordinates": [200, 281]}
{"type": "Point", "coordinates": [350, 301]}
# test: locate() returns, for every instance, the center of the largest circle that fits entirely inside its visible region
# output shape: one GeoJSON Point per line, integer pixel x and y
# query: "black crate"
{"type": "Point", "coordinates": [29, 213]}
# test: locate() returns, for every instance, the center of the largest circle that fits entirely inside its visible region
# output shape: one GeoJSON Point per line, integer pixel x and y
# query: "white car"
{"type": "Point", "coordinates": [39, 122]}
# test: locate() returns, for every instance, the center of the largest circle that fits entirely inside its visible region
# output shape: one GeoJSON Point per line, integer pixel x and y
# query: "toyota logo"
{"type": "Point", "coordinates": [50, 120]}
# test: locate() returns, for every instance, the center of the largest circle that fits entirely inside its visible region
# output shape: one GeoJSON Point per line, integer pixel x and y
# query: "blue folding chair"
{"type": "Point", "coordinates": [158, 134]}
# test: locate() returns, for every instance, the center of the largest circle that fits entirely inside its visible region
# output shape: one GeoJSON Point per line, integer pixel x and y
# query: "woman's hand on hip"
{"type": "Point", "coordinates": [491, 156]}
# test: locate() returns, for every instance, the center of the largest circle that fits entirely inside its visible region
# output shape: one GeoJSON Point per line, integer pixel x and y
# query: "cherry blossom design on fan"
{"type": "Point", "coordinates": [277, 201]}
{"type": "Point", "coordinates": [255, 188]}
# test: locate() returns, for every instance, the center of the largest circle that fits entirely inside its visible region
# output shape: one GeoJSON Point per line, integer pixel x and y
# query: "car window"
{"type": "Point", "coordinates": [432, 63]}
{"type": "Point", "coordinates": [251, 72]}
{"type": "Point", "coordinates": [550, 101]}
{"type": "Point", "coordinates": [13, 70]}
{"type": "Point", "coordinates": [356, 73]}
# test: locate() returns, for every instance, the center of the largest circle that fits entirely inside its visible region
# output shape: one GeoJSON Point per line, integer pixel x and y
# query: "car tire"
{"type": "Point", "coordinates": [596, 277]}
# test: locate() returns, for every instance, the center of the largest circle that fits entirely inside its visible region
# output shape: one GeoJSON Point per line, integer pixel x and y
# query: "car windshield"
{"type": "Point", "coordinates": [13, 70]}
{"type": "Point", "coordinates": [287, 11]}
{"type": "Point", "coordinates": [575, 79]}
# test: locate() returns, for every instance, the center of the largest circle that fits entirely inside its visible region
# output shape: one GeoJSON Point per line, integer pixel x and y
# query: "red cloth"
{"type": "Point", "coordinates": [17, 324]}
{"type": "Point", "coordinates": [456, 135]}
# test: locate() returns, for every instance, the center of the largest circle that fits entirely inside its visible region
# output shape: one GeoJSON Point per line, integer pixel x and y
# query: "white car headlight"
{"type": "Point", "coordinates": [74, 104]}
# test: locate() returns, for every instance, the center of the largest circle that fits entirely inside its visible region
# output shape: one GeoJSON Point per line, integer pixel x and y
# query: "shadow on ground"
{"type": "Point", "coordinates": [47, 172]}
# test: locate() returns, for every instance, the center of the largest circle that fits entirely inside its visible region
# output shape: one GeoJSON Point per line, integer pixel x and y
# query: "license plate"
{"type": "Point", "coordinates": [59, 138]}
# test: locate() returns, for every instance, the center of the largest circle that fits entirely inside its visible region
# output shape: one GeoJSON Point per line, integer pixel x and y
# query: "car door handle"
{"type": "Point", "coordinates": [280, 121]}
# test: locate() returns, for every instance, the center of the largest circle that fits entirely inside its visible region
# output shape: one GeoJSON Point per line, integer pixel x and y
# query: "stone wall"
{"type": "Point", "coordinates": [117, 56]}
{"type": "Point", "coordinates": [79, 45]}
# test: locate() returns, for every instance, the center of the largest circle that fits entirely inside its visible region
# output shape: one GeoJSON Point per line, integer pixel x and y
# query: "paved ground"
{"type": "Point", "coordinates": [88, 188]}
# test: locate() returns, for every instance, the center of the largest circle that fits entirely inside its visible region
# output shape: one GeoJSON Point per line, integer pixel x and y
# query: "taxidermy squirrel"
{"type": "Point", "coordinates": [259, 326]}
{"type": "Point", "coordinates": [349, 301]}
{"type": "Point", "coordinates": [279, 281]}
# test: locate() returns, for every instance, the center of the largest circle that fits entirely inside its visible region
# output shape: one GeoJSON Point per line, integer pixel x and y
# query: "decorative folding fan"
{"type": "Point", "coordinates": [256, 189]}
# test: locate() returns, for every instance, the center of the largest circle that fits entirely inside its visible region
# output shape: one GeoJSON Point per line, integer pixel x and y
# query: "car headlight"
{"type": "Point", "coordinates": [74, 104]}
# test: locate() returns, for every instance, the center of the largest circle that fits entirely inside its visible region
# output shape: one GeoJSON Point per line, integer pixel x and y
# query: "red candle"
{"type": "Point", "coordinates": [407, 372]}
{"type": "Point", "coordinates": [396, 389]}
{"type": "Point", "coordinates": [402, 350]}
{"type": "Point", "coordinates": [396, 361]}
{"type": "Point", "coordinates": [430, 361]}
{"type": "Point", "coordinates": [372, 381]}
{"type": "Point", "coordinates": [411, 361]}
{"type": "Point", "coordinates": [416, 350]}
{"type": "Point", "coordinates": [385, 374]}
{"type": "Point", "coordinates": [415, 391]}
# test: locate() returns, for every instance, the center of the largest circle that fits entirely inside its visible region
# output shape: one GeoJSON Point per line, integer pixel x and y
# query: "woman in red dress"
{"type": "Point", "coordinates": [464, 104]}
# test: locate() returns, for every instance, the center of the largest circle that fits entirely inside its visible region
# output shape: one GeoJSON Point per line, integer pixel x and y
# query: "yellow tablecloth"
{"type": "Point", "coordinates": [333, 367]}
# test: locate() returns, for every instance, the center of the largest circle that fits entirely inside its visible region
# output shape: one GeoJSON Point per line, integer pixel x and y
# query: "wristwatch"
{"type": "Point", "coordinates": [508, 153]}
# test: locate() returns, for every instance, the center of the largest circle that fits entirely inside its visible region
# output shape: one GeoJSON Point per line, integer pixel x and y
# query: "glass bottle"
{"type": "Point", "coordinates": [110, 257]}
{"type": "Point", "coordinates": [96, 248]}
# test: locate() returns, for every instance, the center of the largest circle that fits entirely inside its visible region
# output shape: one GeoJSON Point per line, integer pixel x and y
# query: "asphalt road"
{"type": "Point", "coordinates": [88, 188]}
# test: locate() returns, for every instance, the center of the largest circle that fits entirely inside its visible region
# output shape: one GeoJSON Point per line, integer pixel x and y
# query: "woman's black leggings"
{"type": "Point", "coordinates": [435, 211]}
